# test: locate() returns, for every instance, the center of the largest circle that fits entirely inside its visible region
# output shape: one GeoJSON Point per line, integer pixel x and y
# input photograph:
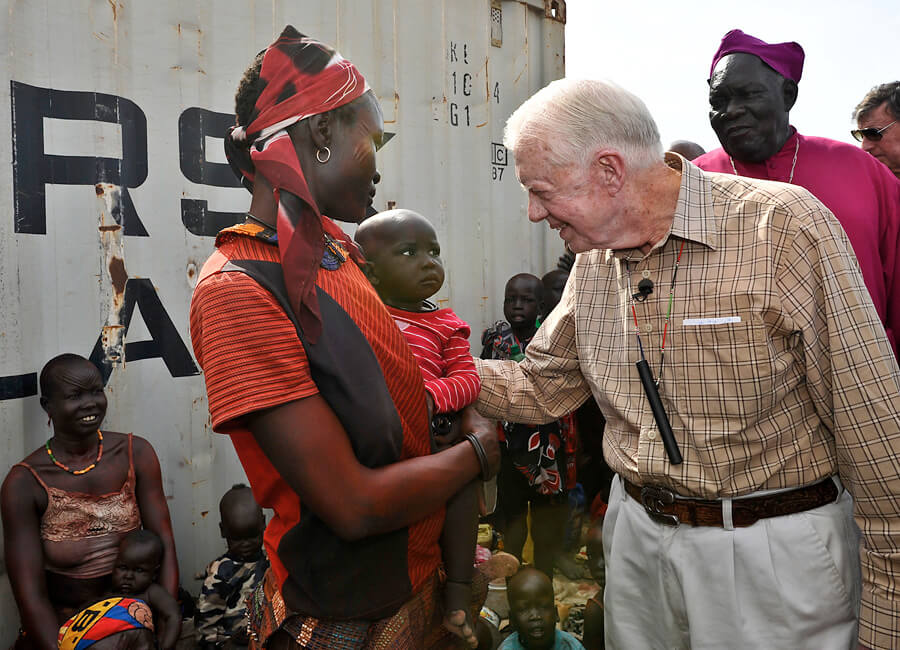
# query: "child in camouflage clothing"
{"type": "Point", "coordinates": [232, 577]}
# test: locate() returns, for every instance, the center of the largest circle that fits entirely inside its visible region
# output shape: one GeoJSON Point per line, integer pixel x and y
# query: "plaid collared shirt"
{"type": "Point", "coordinates": [777, 370]}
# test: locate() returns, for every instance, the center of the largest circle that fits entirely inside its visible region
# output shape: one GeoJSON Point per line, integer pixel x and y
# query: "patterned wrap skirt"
{"type": "Point", "coordinates": [417, 624]}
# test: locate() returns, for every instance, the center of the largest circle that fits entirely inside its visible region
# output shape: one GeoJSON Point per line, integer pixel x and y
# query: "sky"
{"type": "Point", "coordinates": [661, 51]}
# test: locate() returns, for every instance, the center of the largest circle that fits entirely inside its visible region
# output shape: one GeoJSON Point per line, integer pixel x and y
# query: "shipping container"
{"type": "Point", "coordinates": [113, 184]}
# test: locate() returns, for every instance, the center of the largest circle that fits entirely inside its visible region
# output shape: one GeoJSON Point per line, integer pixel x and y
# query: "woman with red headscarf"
{"type": "Point", "coordinates": [307, 373]}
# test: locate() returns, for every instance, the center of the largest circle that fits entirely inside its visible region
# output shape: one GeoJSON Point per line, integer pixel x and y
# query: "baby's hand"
{"type": "Point", "coordinates": [457, 600]}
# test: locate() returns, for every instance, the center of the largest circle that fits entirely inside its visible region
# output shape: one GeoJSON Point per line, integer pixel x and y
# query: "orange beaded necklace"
{"type": "Point", "coordinates": [78, 472]}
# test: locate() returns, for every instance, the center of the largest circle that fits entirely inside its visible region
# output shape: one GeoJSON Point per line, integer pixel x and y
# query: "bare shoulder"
{"type": "Point", "coordinates": [141, 445]}
{"type": "Point", "coordinates": [18, 478]}
{"type": "Point", "coordinates": [37, 460]}
{"type": "Point", "coordinates": [113, 440]}
{"type": "Point", "coordinates": [20, 488]}
{"type": "Point", "coordinates": [145, 458]}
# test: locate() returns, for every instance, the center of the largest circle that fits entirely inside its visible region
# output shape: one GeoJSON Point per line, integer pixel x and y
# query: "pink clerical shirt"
{"type": "Point", "coordinates": [861, 192]}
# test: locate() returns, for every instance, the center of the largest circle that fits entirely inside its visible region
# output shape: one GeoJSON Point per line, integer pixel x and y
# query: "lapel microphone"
{"type": "Point", "coordinates": [645, 288]}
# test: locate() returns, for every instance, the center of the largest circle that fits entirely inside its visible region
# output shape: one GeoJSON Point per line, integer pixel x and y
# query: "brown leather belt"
{"type": "Point", "coordinates": [666, 507]}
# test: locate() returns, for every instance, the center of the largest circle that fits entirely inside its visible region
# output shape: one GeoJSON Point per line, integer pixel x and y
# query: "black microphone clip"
{"type": "Point", "coordinates": [645, 288]}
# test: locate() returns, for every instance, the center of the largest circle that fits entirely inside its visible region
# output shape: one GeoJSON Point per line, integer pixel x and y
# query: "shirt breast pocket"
{"type": "Point", "coordinates": [724, 366]}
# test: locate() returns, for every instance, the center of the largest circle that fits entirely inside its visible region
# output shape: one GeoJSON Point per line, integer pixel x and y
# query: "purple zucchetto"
{"type": "Point", "coordinates": [785, 58]}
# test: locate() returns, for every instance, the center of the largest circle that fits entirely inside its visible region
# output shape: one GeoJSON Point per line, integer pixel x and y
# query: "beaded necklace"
{"type": "Point", "coordinates": [78, 472]}
{"type": "Point", "coordinates": [637, 329]}
{"type": "Point", "coordinates": [332, 257]}
{"type": "Point", "coordinates": [258, 221]}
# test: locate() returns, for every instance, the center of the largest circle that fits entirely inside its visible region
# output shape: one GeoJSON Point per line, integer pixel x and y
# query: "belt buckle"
{"type": "Point", "coordinates": [654, 499]}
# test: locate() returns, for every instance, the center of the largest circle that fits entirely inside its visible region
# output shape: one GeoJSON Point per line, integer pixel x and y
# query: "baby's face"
{"type": "Point", "coordinates": [135, 569]}
{"type": "Point", "coordinates": [409, 268]}
{"type": "Point", "coordinates": [533, 612]}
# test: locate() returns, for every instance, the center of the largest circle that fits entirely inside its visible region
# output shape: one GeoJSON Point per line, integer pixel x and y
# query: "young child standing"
{"type": "Point", "coordinates": [538, 463]}
{"type": "Point", "coordinates": [533, 614]}
{"type": "Point", "coordinates": [137, 607]}
{"type": "Point", "coordinates": [405, 268]}
{"type": "Point", "coordinates": [232, 577]}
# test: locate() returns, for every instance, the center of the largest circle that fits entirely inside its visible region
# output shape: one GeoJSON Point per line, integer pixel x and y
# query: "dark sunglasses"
{"type": "Point", "coordinates": [870, 133]}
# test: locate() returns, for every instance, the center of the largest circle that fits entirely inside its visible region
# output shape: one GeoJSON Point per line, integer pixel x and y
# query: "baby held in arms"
{"type": "Point", "coordinates": [138, 613]}
{"type": "Point", "coordinates": [403, 263]}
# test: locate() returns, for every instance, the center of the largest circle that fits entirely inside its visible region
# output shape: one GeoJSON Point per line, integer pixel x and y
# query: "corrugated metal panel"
{"type": "Point", "coordinates": [113, 183]}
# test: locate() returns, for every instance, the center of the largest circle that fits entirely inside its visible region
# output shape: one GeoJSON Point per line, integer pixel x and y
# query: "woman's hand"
{"type": "Point", "coordinates": [486, 432]}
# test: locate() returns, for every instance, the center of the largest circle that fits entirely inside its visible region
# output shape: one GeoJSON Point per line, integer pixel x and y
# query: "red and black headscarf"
{"type": "Point", "coordinates": [301, 77]}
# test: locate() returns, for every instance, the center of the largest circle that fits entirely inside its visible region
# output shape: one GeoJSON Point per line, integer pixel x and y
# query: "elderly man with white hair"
{"type": "Point", "coordinates": [724, 329]}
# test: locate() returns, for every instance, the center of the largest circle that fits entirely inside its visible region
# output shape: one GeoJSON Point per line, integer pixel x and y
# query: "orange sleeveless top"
{"type": "Point", "coordinates": [80, 533]}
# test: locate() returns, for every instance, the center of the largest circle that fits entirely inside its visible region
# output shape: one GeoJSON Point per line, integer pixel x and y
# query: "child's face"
{"type": "Point", "coordinates": [521, 305]}
{"type": "Point", "coordinates": [407, 267]}
{"type": "Point", "coordinates": [135, 569]}
{"type": "Point", "coordinates": [533, 611]}
{"type": "Point", "coordinates": [243, 528]}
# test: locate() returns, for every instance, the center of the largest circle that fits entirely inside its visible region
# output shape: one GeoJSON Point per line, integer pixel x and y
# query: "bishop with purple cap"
{"type": "Point", "coordinates": [753, 85]}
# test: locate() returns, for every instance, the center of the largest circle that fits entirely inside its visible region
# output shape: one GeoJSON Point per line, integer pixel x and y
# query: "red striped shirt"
{"type": "Point", "coordinates": [440, 342]}
{"type": "Point", "coordinates": [252, 359]}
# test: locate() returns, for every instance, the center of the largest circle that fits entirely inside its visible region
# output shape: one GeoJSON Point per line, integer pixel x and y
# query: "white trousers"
{"type": "Point", "coordinates": [789, 582]}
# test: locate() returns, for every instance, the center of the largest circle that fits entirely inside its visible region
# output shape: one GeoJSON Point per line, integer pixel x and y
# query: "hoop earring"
{"type": "Point", "coordinates": [327, 155]}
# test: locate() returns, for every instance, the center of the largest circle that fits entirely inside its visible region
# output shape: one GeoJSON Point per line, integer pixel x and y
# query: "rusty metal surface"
{"type": "Point", "coordinates": [113, 183]}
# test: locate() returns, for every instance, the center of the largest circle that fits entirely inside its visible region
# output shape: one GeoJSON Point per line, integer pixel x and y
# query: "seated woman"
{"type": "Point", "coordinates": [314, 383]}
{"type": "Point", "coordinates": [67, 506]}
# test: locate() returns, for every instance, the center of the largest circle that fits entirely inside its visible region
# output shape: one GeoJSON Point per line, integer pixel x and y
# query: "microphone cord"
{"type": "Point", "coordinates": [637, 328]}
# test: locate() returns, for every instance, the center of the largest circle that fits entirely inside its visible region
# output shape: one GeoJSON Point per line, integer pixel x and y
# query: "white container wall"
{"type": "Point", "coordinates": [113, 183]}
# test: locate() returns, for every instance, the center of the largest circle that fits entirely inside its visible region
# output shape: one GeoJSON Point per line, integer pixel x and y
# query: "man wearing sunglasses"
{"type": "Point", "coordinates": [752, 88]}
{"type": "Point", "coordinates": [876, 118]}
